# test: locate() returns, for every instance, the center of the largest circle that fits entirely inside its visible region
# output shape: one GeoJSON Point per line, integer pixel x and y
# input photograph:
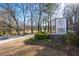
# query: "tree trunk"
{"type": "Point", "coordinates": [31, 23]}
{"type": "Point", "coordinates": [17, 29]}
{"type": "Point", "coordinates": [10, 31]}
{"type": "Point", "coordinates": [24, 27]}
{"type": "Point", "coordinates": [4, 31]}
{"type": "Point", "coordinates": [39, 22]}
{"type": "Point", "coordinates": [50, 24]}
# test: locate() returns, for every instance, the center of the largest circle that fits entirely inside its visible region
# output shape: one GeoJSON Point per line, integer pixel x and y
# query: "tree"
{"type": "Point", "coordinates": [11, 9]}
{"type": "Point", "coordinates": [23, 9]}
{"type": "Point", "coordinates": [50, 9]}
{"type": "Point", "coordinates": [6, 21]}
{"type": "Point", "coordinates": [31, 9]}
{"type": "Point", "coordinates": [71, 12]}
{"type": "Point", "coordinates": [40, 10]}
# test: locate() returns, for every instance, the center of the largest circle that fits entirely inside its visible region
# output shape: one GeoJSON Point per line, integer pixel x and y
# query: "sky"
{"type": "Point", "coordinates": [58, 13]}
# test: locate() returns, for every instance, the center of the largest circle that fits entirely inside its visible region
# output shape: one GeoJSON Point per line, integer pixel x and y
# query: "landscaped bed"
{"type": "Point", "coordinates": [35, 47]}
{"type": "Point", "coordinates": [70, 40]}
{"type": "Point", "coordinates": [40, 39]}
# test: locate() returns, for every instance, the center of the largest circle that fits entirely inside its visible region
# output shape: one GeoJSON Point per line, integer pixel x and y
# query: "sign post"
{"type": "Point", "coordinates": [61, 26]}
{"type": "Point", "coordinates": [61, 29]}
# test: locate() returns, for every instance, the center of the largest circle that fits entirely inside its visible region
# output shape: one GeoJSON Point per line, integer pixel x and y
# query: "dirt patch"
{"type": "Point", "coordinates": [71, 50]}
{"type": "Point", "coordinates": [50, 52]}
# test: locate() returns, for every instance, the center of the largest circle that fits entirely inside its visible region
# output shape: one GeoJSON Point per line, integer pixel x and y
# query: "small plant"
{"type": "Point", "coordinates": [72, 38]}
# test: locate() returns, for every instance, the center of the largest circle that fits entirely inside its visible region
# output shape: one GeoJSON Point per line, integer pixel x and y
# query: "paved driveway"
{"type": "Point", "coordinates": [12, 38]}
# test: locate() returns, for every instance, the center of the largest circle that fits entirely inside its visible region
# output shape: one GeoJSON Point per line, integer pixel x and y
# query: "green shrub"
{"type": "Point", "coordinates": [31, 40]}
{"type": "Point", "coordinates": [41, 36]}
{"type": "Point", "coordinates": [42, 32]}
{"type": "Point", "coordinates": [1, 33]}
{"type": "Point", "coordinates": [71, 38]}
{"type": "Point", "coordinates": [38, 39]}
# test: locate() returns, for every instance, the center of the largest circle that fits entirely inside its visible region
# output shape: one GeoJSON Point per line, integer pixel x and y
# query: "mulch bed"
{"type": "Point", "coordinates": [71, 50]}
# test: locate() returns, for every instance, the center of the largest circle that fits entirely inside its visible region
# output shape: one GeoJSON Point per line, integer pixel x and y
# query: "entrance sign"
{"type": "Point", "coordinates": [61, 26]}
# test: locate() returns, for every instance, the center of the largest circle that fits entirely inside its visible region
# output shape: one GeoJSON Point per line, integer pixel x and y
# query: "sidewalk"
{"type": "Point", "coordinates": [17, 38]}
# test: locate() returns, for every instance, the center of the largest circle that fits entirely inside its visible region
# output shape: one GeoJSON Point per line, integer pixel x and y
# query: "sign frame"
{"type": "Point", "coordinates": [66, 25]}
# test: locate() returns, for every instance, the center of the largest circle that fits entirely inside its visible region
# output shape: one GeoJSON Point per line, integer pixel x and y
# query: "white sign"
{"type": "Point", "coordinates": [61, 26]}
